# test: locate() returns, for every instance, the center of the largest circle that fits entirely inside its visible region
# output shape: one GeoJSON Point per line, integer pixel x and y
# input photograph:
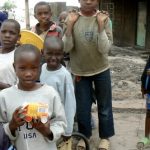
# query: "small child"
{"type": "Point", "coordinates": [62, 17]}
{"type": "Point", "coordinates": [55, 74]}
{"type": "Point", "coordinates": [145, 89]}
{"type": "Point", "coordinates": [9, 35]}
{"type": "Point", "coordinates": [34, 135]}
{"type": "Point", "coordinates": [45, 27]}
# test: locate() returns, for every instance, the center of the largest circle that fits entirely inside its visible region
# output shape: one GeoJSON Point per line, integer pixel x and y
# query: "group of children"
{"type": "Point", "coordinates": [88, 38]}
{"type": "Point", "coordinates": [20, 69]}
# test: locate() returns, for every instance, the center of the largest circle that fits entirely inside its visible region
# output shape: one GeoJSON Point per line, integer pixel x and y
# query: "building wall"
{"type": "Point", "coordinates": [125, 21]}
{"type": "Point", "coordinates": [57, 8]}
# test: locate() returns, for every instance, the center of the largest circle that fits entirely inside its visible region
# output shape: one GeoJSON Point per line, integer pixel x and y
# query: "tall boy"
{"type": "Point", "coordinates": [34, 135]}
{"type": "Point", "coordinates": [88, 38]}
{"type": "Point", "coordinates": [45, 27]}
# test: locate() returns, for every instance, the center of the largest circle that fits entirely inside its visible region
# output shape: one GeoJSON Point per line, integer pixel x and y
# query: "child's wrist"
{"type": "Point", "coordinates": [50, 135]}
{"type": "Point", "coordinates": [12, 128]}
{"type": "Point", "coordinates": [70, 24]}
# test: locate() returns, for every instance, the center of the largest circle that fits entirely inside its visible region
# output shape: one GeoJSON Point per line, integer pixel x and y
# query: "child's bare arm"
{"type": "Point", "coordinates": [44, 129]}
{"type": "Point", "coordinates": [4, 86]}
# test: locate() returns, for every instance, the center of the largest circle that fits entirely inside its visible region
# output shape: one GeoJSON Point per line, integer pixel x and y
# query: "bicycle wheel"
{"type": "Point", "coordinates": [76, 137]}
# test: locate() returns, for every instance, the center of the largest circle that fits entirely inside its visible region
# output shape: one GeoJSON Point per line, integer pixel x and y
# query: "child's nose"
{"type": "Point", "coordinates": [7, 34]}
{"type": "Point", "coordinates": [28, 73]}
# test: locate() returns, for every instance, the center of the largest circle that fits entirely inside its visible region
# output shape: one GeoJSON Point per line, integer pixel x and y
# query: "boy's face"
{"type": "Point", "coordinates": [9, 35]}
{"type": "Point", "coordinates": [53, 57]}
{"type": "Point", "coordinates": [43, 14]}
{"type": "Point", "coordinates": [88, 5]}
{"type": "Point", "coordinates": [27, 68]}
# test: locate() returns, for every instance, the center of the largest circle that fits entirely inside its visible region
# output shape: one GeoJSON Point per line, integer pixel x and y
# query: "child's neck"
{"type": "Point", "coordinates": [54, 69]}
{"type": "Point", "coordinates": [88, 13]}
{"type": "Point", "coordinates": [7, 50]}
{"type": "Point", "coordinates": [44, 27]}
{"type": "Point", "coordinates": [33, 87]}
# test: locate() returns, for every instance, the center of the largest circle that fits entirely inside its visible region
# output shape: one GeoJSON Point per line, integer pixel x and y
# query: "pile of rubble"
{"type": "Point", "coordinates": [126, 69]}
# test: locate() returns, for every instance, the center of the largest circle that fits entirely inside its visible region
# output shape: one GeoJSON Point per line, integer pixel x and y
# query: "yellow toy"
{"type": "Point", "coordinates": [35, 111]}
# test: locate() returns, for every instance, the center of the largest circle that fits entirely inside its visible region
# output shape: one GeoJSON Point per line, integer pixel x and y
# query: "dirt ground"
{"type": "Point", "coordinates": [128, 106]}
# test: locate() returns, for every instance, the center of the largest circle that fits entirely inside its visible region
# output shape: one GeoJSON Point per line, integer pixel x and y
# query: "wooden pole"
{"type": "Point", "coordinates": [27, 14]}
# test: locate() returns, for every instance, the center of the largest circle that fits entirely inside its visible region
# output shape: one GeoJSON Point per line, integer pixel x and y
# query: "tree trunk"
{"type": "Point", "coordinates": [27, 14]}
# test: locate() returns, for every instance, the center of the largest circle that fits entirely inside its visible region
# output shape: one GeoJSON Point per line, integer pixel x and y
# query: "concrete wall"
{"type": "Point", "coordinates": [57, 8]}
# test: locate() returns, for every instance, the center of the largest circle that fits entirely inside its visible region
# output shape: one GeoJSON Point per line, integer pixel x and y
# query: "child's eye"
{"type": "Point", "coordinates": [22, 68]}
{"type": "Point", "coordinates": [34, 68]}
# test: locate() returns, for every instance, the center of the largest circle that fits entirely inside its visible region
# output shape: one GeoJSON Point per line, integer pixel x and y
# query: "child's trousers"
{"type": "Point", "coordinates": [103, 92]}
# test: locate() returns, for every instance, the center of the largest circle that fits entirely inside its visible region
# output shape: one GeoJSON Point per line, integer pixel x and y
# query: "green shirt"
{"type": "Point", "coordinates": [87, 47]}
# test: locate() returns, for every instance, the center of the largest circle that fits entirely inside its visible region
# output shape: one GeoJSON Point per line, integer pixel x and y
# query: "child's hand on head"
{"type": "Point", "coordinates": [101, 18]}
{"type": "Point", "coordinates": [72, 17]}
{"type": "Point", "coordinates": [44, 129]}
{"type": "Point", "coordinates": [104, 12]}
{"type": "Point", "coordinates": [17, 120]}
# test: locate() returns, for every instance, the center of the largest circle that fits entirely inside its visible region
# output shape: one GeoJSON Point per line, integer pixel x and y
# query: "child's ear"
{"type": "Point", "coordinates": [19, 36]}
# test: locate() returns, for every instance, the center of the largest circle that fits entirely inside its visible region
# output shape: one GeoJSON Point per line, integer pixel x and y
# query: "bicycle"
{"type": "Point", "coordinates": [75, 138]}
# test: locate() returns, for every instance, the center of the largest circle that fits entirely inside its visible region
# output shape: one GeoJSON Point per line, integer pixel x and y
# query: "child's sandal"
{"type": "Point", "coordinates": [145, 142]}
{"type": "Point", "coordinates": [104, 144]}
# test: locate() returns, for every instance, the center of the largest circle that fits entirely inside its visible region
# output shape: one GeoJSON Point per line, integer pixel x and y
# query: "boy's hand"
{"type": "Point", "coordinates": [72, 17]}
{"type": "Point", "coordinates": [44, 129]}
{"type": "Point", "coordinates": [101, 18]}
{"type": "Point", "coordinates": [104, 12]}
{"type": "Point", "coordinates": [17, 120]}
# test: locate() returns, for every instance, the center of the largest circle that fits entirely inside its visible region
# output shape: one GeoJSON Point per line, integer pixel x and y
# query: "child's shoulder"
{"type": "Point", "coordinates": [64, 70]}
{"type": "Point", "coordinates": [7, 91]}
{"type": "Point", "coordinates": [48, 88]}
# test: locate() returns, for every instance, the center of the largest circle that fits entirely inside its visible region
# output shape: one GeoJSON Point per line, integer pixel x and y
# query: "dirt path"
{"type": "Point", "coordinates": [126, 69]}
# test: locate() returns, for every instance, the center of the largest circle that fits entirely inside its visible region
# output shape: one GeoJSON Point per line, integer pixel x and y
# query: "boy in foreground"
{"type": "Point", "coordinates": [35, 134]}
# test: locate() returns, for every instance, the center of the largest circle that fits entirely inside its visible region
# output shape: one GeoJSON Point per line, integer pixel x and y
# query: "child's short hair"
{"type": "Point", "coordinates": [16, 23]}
{"type": "Point", "coordinates": [26, 48]}
{"type": "Point", "coordinates": [54, 41]}
{"type": "Point", "coordinates": [42, 3]}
